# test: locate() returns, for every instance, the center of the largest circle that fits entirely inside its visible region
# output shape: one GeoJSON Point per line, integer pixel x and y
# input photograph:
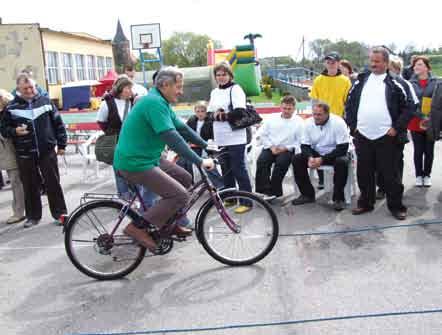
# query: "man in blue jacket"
{"type": "Point", "coordinates": [36, 128]}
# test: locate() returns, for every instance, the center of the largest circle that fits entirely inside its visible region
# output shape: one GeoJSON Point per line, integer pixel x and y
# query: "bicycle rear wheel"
{"type": "Point", "coordinates": [93, 250]}
{"type": "Point", "coordinates": [256, 235]}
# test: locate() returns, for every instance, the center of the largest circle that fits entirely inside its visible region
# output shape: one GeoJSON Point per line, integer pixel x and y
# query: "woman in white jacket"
{"type": "Point", "coordinates": [227, 97]}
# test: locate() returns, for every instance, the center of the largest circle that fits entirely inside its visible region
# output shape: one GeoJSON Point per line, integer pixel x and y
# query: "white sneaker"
{"type": "Point", "coordinates": [427, 181]}
{"type": "Point", "coordinates": [419, 182]}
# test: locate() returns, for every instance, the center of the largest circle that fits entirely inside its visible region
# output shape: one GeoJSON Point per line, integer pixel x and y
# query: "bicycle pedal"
{"type": "Point", "coordinates": [179, 238]}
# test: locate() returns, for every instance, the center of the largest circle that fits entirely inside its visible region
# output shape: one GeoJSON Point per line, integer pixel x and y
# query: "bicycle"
{"type": "Point", "coordinates": [96, 245]}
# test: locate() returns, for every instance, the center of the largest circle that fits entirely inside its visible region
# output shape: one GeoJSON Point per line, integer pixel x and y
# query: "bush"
{"type": "Point", "coordinates": [267, 91]}
{"type": "Point", "coordinates": [267, 80]}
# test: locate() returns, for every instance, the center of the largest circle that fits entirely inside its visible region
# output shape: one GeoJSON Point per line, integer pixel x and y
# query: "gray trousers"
{"type": "Point", "coordinates": [18, 199]}
{"type": "Point", "coordinates": [170, 182]}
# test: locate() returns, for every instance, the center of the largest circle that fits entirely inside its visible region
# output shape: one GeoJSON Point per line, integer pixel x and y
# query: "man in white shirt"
{"type": "Point", "coordinates": [281, 139]}
{"type": "Point", "coordinates": [137, 89]}
{"type": "Point", "coordinates": [377, 111]}
{"type": "Point", "coordinates": [325, 142]}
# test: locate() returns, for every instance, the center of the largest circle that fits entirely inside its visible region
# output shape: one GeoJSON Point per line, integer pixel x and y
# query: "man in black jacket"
{"type": "Point", "coordinates": [378, 110]}
{"type": "Point", "coordinates": [36, 128]}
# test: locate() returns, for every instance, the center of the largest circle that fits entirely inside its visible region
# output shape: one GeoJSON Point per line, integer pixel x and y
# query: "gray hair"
{"type": "Point", "coordinates": [168, 74]}
{"type": "Point", "coordinates": [383, 51]}
{"type": "Point", "coordinates": [25, 78]}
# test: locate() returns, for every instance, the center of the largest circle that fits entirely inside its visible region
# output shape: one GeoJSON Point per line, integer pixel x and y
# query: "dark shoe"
{"type": "Point", "coordinates": [380, 194]}
{"type": "Point", "coordinates": [141, 236]}
{"type": "Point", "coordinates": [338, 205]}
{"type": "Point", "coordinates": [181, 231]}
{"type": "Point", "coordinates": [30, 222]}
{"type": "Point", "coordinates": [302, 199]}
{"type": "Point", "coordinates": [360, 210]}
{"type": "Point", "coordinates": [399, 215]}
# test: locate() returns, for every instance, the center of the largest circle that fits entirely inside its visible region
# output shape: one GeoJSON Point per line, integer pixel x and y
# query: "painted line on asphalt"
{"type": "Point", "coordinates": [26, 248]}
{"type": "Point", "coordinates": [270, 324]}
{"type": "Point", "coordinates": [45, 203]}
{"type": "Point", "coordinates": [361, 230]}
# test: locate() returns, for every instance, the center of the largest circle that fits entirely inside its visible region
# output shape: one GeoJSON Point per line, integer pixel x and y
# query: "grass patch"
{"type": "Point", "coordinates": [276, 98]}
{"type": "Point", "coordinates": [437, 70]}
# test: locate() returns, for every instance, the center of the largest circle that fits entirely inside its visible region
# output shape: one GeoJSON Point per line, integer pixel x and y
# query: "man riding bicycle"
{"type": "Point", "coordinates": [151, 125]}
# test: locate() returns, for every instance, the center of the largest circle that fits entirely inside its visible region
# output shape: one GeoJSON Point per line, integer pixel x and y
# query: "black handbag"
{"type": "Point", "coordinates": [242, 118]}
{"type": "Point", "coordinates": [105, 148]}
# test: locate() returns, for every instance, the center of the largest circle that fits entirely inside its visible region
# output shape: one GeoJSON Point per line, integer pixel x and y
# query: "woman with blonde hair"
{"type": "Point", "coordinates": [8, 162]}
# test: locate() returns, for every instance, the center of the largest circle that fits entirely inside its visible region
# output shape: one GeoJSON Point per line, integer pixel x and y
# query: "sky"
{"type": "Point", "coordinates": [283, 23]}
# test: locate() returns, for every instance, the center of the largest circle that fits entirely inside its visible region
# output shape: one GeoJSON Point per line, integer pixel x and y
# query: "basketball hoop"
{"type": "Point", "coordinates": [146, 36]}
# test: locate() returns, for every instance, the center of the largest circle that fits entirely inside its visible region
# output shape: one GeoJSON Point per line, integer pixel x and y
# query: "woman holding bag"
{"type": "Point", "coordinates": [424, 85]}
{"type": "Point", "coordinates": [229, 97]}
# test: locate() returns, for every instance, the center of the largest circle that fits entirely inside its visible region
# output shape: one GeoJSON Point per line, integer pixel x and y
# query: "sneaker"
{"type": "Point", "coordinates": [57, 223]}
{"type": "Point", "coordinates": [184, 221]}
{"type": "Point", "coordinates": [15, 219]}
{"type": "Point", "coordinates": [242, 209]}
{"type": "Point", "coordinates": [30, 222]}
{"type": "Point", "coordinates": [419, 181]}
{"type": "Point", "coordinates": [229, 203]}
{"type": "Point", "coordinates": [427, 181]}
{"type": "Point", "coordinates": [301, 200]}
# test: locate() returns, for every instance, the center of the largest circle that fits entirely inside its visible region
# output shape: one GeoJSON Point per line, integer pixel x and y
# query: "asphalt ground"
{"type": "Point", "coordinates": [356, 270]}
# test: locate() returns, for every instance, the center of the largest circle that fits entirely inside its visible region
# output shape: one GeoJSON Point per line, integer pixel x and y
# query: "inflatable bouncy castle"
{"type": "Point", "coordinates": [245, 67]}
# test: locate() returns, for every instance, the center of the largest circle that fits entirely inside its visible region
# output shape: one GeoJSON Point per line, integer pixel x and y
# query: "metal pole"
{"type": "Point", "coordinates": [143, 69]}
{"type": "Point", "coordinates": [160, 56]}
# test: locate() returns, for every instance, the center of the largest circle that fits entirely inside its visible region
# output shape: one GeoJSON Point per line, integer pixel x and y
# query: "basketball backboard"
{"type": "Point", "coordinates": [145, 36]}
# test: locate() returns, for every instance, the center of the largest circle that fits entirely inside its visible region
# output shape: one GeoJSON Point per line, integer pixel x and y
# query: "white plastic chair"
{"type": "Point", "coordinates": [329, 171]}
{"type": "Point", "coordinates": [89, 158]}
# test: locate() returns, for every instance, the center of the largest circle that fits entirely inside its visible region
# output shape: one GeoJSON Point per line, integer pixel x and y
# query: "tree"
{"type": "Point", "coordinates": [355, 52]}
{"type": "Point", "coordinates": [186, 49]}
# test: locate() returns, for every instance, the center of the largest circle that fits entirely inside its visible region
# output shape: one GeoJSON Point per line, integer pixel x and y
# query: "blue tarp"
{"type": "Point", "coordinates": [76, 97]}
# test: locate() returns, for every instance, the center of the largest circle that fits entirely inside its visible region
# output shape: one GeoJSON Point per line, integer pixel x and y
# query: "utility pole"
{"type": "Point", "coordinates": [303, 51]}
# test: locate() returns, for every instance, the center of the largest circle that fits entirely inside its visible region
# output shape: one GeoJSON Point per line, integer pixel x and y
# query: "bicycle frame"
{"type": "Point", "coordinates": [197, 191]}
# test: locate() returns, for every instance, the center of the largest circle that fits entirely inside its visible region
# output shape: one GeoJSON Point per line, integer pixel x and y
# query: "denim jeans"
{"type": "Point", "coordinates": [123, 190]}
{"type": "Point", "coordinates": [234, 169]}
{"type": "Point", "coordinates": [214, 176]}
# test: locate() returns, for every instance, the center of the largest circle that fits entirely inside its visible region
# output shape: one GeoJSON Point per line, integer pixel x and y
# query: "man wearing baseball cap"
{"type": "Point", "coordinates": [331, 86]}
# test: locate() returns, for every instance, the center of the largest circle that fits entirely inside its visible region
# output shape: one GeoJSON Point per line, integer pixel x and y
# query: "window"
{"type": "Point", "coordinates": [52, 67]}
{"type": "Point", "coordinates": [68, 73]}
{"type": "Point", "coordinates": [91, 67]}
{"type": "Point", "coordinates": [100, 66]}
{"type": "Point", "coordinates": [81, 67]}
{"type": "Point", "coordinates": [109, 63]}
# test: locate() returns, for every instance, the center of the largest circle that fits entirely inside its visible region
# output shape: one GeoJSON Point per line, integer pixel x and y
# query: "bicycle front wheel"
{"type": "Point", "coordinates": [255, 230]}
{"type": "Point", "coordinates": [92, 247]}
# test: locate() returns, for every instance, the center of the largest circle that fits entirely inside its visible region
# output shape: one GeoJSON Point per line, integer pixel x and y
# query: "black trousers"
{"type": "Point", "coordinates": [29, 173]}
{"type": "Point", "coordinates": [423, 154]}
{"type": "Point", "coordinates": [379, 156]}
{"type": "Point", "coordinates": [272, 185]}
{"type": "Point", "coordinates": [302, 178]}
{"type": "Point", "coordinates": [399, 169]}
